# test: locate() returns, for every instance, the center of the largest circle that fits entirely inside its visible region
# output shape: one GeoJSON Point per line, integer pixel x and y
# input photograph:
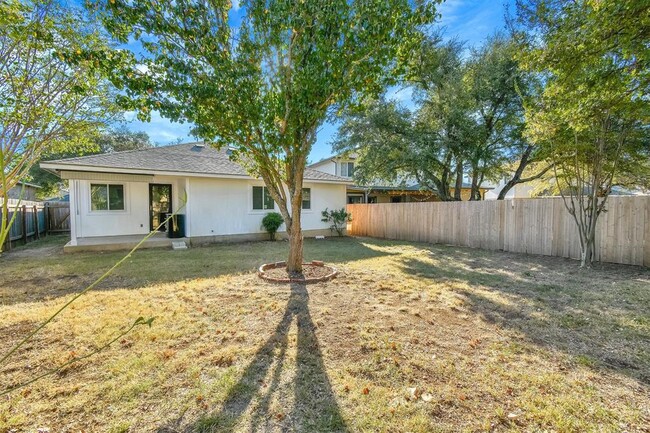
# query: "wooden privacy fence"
{"type": "Point", "coordinates": [533, 226]}
{"type": "Point", "coordinates": [58, 217]}
{"type": "Point", "coordinates": [36, 219]}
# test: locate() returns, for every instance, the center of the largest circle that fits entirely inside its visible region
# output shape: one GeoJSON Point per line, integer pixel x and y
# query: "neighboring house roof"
{"type": "Point", "coordinates": [33, 185]}
{"type": "Point", "coordinates": [416, 188]}
{"type": "Point", "coordinates": [186, 159]}
{"type": "Point", "coordinates": [343, 155]}
{"type": "Point", "coordinates": [64, 198]}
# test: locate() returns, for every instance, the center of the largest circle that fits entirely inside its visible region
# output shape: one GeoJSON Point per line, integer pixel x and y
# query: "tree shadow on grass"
{"type": "Point", "coordinates": [314, 409]}
{"type": "Point", "coordinates": [598, 317]}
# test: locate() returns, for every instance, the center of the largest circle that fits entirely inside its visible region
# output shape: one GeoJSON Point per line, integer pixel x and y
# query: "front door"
{"type": "Point", "coordinates": [160, 204]}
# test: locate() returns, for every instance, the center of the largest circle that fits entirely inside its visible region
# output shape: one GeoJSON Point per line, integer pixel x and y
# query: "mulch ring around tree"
{"type": "Point", "coordinates": [312, 272]}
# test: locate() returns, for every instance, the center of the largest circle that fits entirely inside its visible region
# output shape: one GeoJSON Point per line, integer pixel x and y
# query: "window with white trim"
{"type": "Point", "coordinates": [347, 169]}
{"type": "Point", "coordinates": [262, 200]}
{"type": "Point", "coordinates": [106, 197]}
{"type": "Point", "coordinates": [306, 198]}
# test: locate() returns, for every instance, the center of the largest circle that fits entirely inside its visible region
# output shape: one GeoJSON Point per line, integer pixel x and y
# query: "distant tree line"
{"type": "Point", "coordinates": [564, 97]}
{"type": "Point", "coordinates": [468, 123]}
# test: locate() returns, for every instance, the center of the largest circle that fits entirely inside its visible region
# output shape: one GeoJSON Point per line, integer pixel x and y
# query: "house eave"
{"type": "Point", "coordinates": [56, 168]}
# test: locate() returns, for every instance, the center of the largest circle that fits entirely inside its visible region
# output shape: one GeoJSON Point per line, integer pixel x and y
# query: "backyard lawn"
{"type": "Point", "coordinates": [409, 338]}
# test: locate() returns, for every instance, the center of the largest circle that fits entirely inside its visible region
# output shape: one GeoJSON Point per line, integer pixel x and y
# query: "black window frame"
{"type": "Point", "coordinates": [308, 190]}
{"type": "Point", "coordinates": [108, 187]}
{"type": "Point", "coordinates": [266, 198]}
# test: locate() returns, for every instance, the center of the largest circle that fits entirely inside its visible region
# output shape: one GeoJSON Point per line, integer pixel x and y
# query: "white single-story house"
{"type": "Point", "coordinates": [117, 198]}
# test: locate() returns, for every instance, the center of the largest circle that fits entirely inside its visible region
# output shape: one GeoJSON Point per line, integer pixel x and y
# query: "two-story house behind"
{"type": "Point", "coordinates": [343, 165]}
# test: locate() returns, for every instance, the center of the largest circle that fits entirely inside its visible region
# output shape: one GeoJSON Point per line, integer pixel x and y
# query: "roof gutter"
{"type": "Point", "coordinates": [55, 168]}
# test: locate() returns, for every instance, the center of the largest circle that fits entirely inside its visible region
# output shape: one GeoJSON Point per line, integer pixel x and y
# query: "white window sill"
{"type": "Point", "coordinates": [108, 212]}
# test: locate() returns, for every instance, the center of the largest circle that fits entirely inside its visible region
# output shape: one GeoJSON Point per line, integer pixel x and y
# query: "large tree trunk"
{"type": "Point", "coordinates": [294, 261]}
{"type": "Point", "coordinates": [440, 186]}
{"type": "Point", "coordinates": [588, 241]}
{"type": "Point", "coordinates": [516, 179]}
{"type": "Point", "coordinates": [290, 207]}
{"type": "Point", "coordinates": [587, 253]}
{"type": "Point", "coordinates": [506, 188]}
{"type": "Point", "coordinates": [294, 227]}
{"type": "Point", "coordinates": [294, 230]}
{"type": "Point", "coordinates": [442, 183]}
{"type": "Point", "coordinates": [596, 204]}
{"type": "Point", "coordinates": [458, 187]}
{"type": "Point", "coordinates": [475, 192]}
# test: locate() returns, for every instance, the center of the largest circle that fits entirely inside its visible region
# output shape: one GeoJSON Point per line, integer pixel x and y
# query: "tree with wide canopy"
{"type": "Point", "coordinates": [593, 115]}
{"type": "Point", "coordinates": [52, 96]}
{"type": "Point", "coordinates": [467, 123]}
{"type": "Point", "coordinates": [265, 85]}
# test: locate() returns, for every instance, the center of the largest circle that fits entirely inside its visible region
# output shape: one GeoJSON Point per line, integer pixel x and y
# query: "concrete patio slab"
{"type": "Point", "coordinates": [123, 242]}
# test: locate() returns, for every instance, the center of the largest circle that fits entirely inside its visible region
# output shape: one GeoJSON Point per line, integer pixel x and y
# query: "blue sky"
{"type": "Point", "coordinates": [468, 20]}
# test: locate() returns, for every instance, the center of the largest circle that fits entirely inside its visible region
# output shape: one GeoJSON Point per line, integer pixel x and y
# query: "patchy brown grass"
{"type": "Point", "coordinates": [410, 338]}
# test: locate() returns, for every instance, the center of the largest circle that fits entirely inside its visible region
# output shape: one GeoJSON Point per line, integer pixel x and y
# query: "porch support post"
{"type": "Point", "coordinates": [188, 217]}
{"type": "Point", "coordinates": [74, 189]}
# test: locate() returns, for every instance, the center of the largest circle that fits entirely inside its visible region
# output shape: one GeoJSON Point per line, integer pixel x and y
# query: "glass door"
{"type": "Point", "coordinates": [160, 204]}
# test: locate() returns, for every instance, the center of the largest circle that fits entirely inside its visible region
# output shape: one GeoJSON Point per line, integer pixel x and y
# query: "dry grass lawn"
{"type": "Point", "coordinates": [410, 338]}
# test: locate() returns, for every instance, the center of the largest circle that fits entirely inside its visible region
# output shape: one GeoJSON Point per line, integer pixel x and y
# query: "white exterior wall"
{"type": "Point", "coordinates": [133, 220]}
{"type": "Point", "coordinates": [518, 191]}
{"type": "Point", "coordinates": [333, 166]}
{"type": "Point", "coordinates": [225, 206]}
{"type": "Point", "coordinates": [328, 167]}
{"type": "Point", "coordinates": [214, 207]}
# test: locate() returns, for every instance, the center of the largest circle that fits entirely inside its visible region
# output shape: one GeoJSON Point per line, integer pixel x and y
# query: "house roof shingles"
{"type": "Point", "coordinates": [181, 158]}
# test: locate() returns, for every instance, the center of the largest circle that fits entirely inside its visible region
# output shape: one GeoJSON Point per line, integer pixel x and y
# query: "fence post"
{"type": "Point", "coordinates": [24, 220]}
{"type": "Point", "coordinates": [46, 219]}
{"type": "Point", "coordinates": [37, 235]}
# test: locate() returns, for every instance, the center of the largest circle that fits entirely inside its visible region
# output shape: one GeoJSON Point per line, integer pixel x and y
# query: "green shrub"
{"type": "Point", "coordinates": [338, 218]}
{"type": "Point", "coordinates": [271, 223]}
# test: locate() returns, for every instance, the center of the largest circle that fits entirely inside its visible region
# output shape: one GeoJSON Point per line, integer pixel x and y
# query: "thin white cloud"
{"type": "Point", "coordinates": [472, 21]}
{"type": "Point", "coordinates": [450, 11]}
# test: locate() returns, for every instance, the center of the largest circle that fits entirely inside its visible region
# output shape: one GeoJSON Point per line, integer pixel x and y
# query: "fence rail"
{"type": "Point", "coordinates": [533, 226]}
{"type": "Point", "coordinates": [35, 219]}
